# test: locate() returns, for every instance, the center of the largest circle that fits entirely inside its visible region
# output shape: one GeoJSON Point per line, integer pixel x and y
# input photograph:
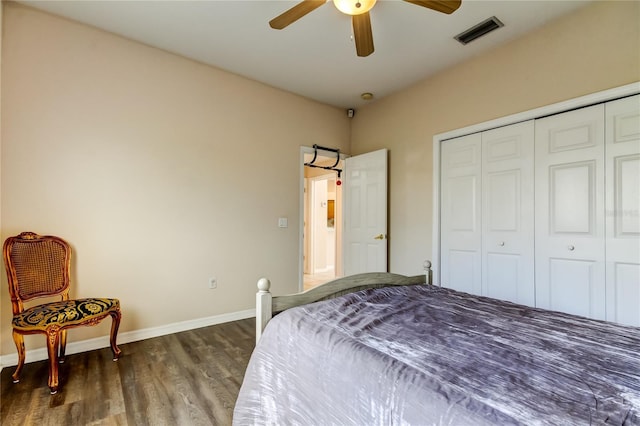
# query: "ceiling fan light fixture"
{"type": "Point", "coordinates": [354, 7]}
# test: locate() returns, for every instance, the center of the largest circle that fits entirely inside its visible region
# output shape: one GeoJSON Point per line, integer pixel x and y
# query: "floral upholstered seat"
{"type": "Point", "coordinates": [64, 313]}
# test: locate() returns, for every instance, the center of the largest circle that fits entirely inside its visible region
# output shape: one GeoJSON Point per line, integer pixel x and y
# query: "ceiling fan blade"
{"type": "Point", "coordinates": [362, 34]}
{"type": "Point", "coordinates": [295, 13]}
{"type": "Point", "coordinates": [444, 6]}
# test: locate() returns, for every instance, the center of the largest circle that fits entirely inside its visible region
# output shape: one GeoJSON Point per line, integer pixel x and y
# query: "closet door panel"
{"type": "Point", "coordinates": [572, 194]}
{"type": "Point", "coordinates": [574, 287]}
{"type": "Point", "coordinates": [502, 275]}
{"type": "Point", "coordinates": [460, 214]}
{"type": "Point", "coordinates": [569, 212]}
{"type": "Point", "coordinates": [623, 210]}
{"type": "Point", "coordinates": [507, 213]}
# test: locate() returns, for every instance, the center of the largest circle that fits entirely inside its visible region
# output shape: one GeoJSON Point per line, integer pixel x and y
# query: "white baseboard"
{"type": "Point", "coordinates": [129, 336]}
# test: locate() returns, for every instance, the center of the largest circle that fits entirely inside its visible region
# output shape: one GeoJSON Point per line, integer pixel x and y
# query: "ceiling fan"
{"type": "Point", "coordinates": [359, 12]}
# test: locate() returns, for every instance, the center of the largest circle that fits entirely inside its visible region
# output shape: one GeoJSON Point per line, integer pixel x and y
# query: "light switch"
{"type": "Point", "coordinates": [283, 222]}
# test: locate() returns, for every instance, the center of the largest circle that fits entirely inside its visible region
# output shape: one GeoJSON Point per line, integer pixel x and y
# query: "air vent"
{"type": "Point", "coordinates": [479, 30]}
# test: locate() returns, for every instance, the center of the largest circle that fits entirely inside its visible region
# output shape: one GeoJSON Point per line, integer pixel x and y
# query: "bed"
{"type": "Point", "coordinates": [420, 354]}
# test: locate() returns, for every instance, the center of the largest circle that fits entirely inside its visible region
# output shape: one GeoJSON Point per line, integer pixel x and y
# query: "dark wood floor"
{"type": "Point", "coordinates": [188, 378]}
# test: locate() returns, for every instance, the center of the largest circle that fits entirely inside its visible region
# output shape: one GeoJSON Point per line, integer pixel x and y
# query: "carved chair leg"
{"type": "Point", "coordinates": [53, 340]}
{"type": "Point", "coordinates": [115, 324]}
{"type": "Point", "coordinates": [63, 346]}
{"type": "Point", "coordinates": [19, 341]}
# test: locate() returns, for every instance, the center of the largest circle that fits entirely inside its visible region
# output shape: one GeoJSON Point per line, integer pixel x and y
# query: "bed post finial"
{"type": "Point", "coordinates": [263, 306]}
{"type": "Point", "coordinates": [264, 284]}
{"type": "Point", "coordinates": [427, 271]}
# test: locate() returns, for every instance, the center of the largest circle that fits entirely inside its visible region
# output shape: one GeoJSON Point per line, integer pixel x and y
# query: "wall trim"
{"type": "Point", "coordinates": [575, 103]}
{"type": "Point", "coordinates": [129, 336]}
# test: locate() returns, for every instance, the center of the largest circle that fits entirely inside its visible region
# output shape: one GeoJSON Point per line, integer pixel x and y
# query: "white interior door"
{"type": "Point", "coordinates": [460, 214]}
{"type": "Point", "coordinates": [365, 213]}
{"type": "Point", "coordinates": [507, 213]}
{"type": "Point", "coordinates": [569, 213]}
{"type": "Point", "coordinates": [623, 210]}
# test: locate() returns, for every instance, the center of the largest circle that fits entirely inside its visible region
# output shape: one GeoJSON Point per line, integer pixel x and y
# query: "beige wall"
{"type": "Point", "coordinates": [163, 172]}
{"type": "Point", "coordinates": [595, 49]}
{"type": "Point", "coordinates": [160, 171]}
{"type": "Point", "coordinates": [1, 35]}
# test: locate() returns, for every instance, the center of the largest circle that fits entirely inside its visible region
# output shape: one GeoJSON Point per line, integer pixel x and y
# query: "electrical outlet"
{"type": "Point", "coordinates": [213, 282]}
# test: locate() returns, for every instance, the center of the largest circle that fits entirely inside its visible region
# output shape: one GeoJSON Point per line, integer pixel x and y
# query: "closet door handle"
{"type": "Point", "coordinates": [571, 248]}
{"type": "Point", "coordinates": [501, 243]}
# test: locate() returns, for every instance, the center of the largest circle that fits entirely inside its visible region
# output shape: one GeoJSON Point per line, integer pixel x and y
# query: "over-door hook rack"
{"type": "Point", "coordinates": [315, 157]}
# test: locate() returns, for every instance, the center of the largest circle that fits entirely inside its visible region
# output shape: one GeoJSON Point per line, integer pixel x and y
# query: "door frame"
{"type": "Point", "coordinates": [582, 101]}
{"type": "Point", "coordinates": [338, 264]}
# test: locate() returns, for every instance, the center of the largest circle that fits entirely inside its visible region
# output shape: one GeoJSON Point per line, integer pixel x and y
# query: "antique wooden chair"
{"type": "Point", "coordinates": [39, 266]}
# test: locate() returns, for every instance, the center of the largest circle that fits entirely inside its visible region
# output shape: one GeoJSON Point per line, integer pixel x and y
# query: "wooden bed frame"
{"type": "Point", "coordinates": [267, 305]}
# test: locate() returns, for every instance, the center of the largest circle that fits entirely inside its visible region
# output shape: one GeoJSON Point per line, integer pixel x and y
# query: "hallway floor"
{"type": "Point", "coordinates": [312, 280]}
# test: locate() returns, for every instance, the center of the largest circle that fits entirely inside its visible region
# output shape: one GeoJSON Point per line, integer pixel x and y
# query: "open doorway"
{"type": "Point", "coordinates": [322, 227]}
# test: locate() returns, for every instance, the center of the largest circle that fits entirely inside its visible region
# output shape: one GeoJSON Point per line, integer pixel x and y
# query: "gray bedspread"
{"type": "Point", "coordinates": [423, 355]}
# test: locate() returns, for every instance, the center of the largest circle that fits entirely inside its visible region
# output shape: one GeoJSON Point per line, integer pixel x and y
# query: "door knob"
{"type": "Point", "coordinates": [501, 243]}
{"type": "Point", "coordinates": [571, 248]}
{"type": "Point", "coordinates": [379, 237]}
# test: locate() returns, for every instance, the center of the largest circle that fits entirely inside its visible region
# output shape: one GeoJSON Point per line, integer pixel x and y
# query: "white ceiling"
{"type": "Point", "coordinates": [315, 56]}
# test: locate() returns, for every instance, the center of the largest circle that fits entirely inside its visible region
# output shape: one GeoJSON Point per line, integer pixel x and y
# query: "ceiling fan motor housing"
{"type": "Point", "coordinates": [354, 7]}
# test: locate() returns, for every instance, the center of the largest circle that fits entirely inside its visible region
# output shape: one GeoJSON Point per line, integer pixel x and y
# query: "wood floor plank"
{"type": "Point", "coordinates": [188, 378]}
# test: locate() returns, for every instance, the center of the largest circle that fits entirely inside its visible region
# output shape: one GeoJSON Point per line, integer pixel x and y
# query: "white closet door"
{"type": "Point", "coordinates": [507, 213]}
{"type": "Point", "coordinates": [623, 210]}
{"type": "Point", "coordinates": [569, 212]}
{"type": "Point", "coordinates": [460, 210]}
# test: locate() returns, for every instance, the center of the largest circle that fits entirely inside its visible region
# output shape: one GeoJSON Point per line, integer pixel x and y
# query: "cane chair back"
{"type": "Point", "coordinates": [40, 268]}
